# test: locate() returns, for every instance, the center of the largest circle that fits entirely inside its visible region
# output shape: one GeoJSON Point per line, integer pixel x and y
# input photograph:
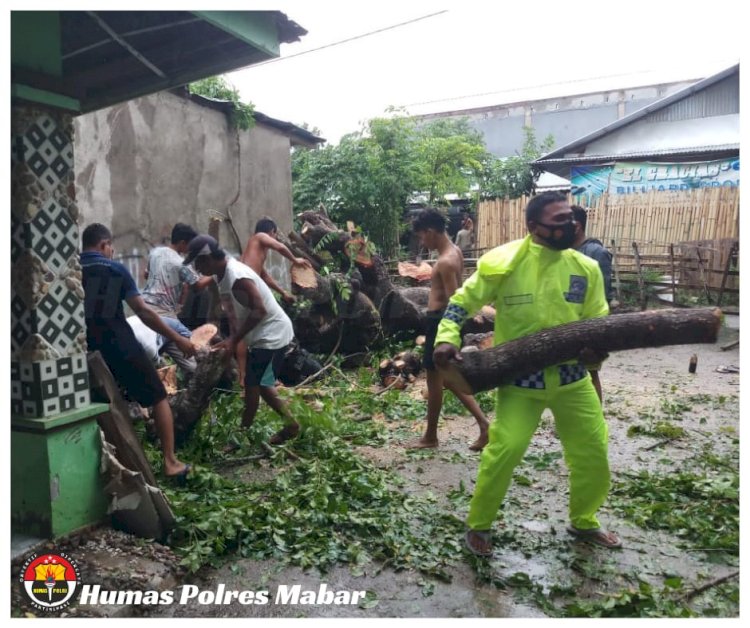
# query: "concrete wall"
{"type": "Point", "coordinates": [143, 165]}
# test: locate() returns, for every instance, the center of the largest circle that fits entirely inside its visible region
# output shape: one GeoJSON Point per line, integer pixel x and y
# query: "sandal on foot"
{"type": "Point", "coordinates": [597, 536]}
{"type": "Point", "coordinates": [181, 477]}
{"type": "Point", "coordinates": [484, 535]}
{"type": "Point", "coordinates": [284, 434]}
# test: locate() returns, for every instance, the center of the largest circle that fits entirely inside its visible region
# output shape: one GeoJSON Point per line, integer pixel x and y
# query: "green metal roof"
{"type": "Point", "coordinates": [86, 60]}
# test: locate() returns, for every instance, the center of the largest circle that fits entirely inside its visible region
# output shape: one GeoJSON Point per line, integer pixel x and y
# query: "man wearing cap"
{"type": "Point", "coordinates": [255, 317]}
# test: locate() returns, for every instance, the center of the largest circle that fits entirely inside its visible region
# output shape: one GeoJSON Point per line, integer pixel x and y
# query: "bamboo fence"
{"type": "Point", "coordinates": [666, 240]}
{"type": "Point", "coordinates": [654, 220]}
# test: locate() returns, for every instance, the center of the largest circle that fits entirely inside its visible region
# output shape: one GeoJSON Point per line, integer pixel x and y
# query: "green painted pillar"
{"type": "Point", "coordinates": [55, 448]}
{"type": "Point", "coordinates": [55, 482]}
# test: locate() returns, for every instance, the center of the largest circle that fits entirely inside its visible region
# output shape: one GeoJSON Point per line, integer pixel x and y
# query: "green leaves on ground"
{"type": "Point", "coordinates": [701, 508]}
{"type": "Point", "coordinates": [643, 601]}
{"type": "Point", "coordinates": [324, 503]}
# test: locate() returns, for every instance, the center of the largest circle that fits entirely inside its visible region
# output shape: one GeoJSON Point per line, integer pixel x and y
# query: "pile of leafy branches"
{"type": "Point", "coordinates": [324, 504]}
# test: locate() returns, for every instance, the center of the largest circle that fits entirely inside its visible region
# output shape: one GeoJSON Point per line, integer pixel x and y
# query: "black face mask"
{"type": "Point", "coordinates": [566, 239]}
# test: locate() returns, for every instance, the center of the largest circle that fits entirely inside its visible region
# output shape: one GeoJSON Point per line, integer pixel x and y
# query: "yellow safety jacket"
{"type": "Point", "coordinates": [531, 286]}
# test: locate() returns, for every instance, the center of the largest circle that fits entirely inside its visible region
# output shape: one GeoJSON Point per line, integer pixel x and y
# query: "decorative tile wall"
{"type": "Point", "coordinates": [49, 374]}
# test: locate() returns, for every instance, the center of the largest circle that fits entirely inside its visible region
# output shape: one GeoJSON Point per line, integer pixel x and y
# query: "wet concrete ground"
{"type": "Point", "coordinates": [636, 384]}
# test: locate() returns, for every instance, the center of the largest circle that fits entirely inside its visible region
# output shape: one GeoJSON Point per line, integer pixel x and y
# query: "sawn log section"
{"type": "Point", "coordinates": [503, 364]}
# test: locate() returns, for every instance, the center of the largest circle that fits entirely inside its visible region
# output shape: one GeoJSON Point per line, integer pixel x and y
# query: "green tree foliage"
{"type": "Point", "coordinates": [513, 176]}
{"type": "Point", "coordinates": [450, 155]}
{"type": "Point", "coordinates": [218, 88]}
{"type": "Point", "coordinates": [371, 174]}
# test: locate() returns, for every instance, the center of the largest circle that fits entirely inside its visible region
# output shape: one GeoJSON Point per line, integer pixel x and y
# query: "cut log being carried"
{"type": "Point", "coordinates": [503, 364]}
{"type": "Point", "coordinates": [188, 405]}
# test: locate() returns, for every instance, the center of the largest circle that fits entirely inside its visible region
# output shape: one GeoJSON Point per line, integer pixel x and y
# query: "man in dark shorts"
{"type": "Point", "coordinates": [446, 278]}
{"type": "Point", "coordinates": [255, 317]}
{"type": "Point", "coordinates": [106, 285]}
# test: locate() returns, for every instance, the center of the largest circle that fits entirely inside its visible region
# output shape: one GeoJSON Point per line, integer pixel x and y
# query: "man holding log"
{"type": "Point", "coordinates": [537, 283]}
{"type": "Point", "coordinates": [107, 284]}
{"type": "Point", "coordinates": [429, 225]}
{"type": "Point", "coordinates": [256, 250]}
{"type": "Point", "coordinates": [256, 320]}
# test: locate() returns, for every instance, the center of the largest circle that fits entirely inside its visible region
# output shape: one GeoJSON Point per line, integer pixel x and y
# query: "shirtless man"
{"type": "Point", "coordinates": [254, 256]}
{"type": "Point", "coordinates": [256, 250]}
{"type": "Point", "coordinates": [446, 278]}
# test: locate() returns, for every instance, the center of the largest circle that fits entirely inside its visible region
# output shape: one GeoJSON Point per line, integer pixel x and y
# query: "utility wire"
{"type": "Point", "coordinates": [344, 41]}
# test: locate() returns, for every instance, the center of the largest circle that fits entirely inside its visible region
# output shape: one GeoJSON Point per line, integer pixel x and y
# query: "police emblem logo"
{"type": "Point", "coordinates": [577, 289]}
{"type": "Point", "coordinates": [50, 581]}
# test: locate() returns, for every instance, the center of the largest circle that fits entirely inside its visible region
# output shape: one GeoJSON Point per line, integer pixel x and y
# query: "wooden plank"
{"type": "Point", "coordinates": [703, 275]}
{"type": "Point", "coordinates": [616, 268]}
{"type": "Point", "coordinates": [116, 424]}
{"type": "Point", "coordinates": [641, 289]}
{"type": "Point", "coordinates": [726, 274]}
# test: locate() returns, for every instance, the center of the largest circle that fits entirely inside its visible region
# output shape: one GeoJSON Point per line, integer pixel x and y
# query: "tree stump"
{"type": "Point", "coordinates": [188, 405]}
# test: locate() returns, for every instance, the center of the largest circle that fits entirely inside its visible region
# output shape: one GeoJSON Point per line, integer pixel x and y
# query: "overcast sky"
{"type": "Point", "coordinates": [480, 53]}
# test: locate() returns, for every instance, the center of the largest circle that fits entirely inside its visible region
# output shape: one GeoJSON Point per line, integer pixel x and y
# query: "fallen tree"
{"type": "Point", "coordinates": [503, 364]}
{"type": "Point", "coordinates": [362, 274]}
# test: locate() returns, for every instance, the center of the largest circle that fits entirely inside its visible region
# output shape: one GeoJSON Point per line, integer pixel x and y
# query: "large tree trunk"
{"type": "Point", "coordinates": [299, 247]}
{"type": "Point", "coordinates": [403, 309]}
{"type": "Point", "coordinates": [381, 303]}
{"type": "Point", "coordinates": [376, 282]}
{"type": "Point", "coordinates": [352, 325]}
{"type": "Point", "coordinates": [188, 405]}
{"type": "Point", "coordinates": [503, 364]}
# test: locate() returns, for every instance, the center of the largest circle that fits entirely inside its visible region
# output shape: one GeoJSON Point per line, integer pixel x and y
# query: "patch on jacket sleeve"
{"type": "Point", "coordinates": [456, 313]}
{"type": "Point", "coordinates": [577, 289]}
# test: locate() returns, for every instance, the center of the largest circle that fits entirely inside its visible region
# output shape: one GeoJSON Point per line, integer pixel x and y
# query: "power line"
{"type": "Point", "coordinates": [344, 41]}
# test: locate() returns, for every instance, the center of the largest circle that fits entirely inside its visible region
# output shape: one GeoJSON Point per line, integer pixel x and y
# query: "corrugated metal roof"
{"type": "Point", "coordinates": [720, 99]}
{"type": "Point", "coordinates": [637, 115]}
{"type": "Point", "coordinates": [718, 148]}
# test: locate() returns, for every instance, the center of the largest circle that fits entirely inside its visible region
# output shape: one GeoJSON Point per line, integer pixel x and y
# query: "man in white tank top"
{"type": "Point", "coordinates": [255, 317]}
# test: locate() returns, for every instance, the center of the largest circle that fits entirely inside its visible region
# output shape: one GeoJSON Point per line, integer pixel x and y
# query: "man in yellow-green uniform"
{"type": "Point", "coordinates": [537, 283]}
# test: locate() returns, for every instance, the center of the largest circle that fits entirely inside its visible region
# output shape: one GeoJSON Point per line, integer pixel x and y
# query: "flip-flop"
{"type": "Point", "coordinates": [595, 536]}
{"type": "Point", "coordinates": [181, 477]}
{"type": "Point", "coordinates": [485, 535]}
